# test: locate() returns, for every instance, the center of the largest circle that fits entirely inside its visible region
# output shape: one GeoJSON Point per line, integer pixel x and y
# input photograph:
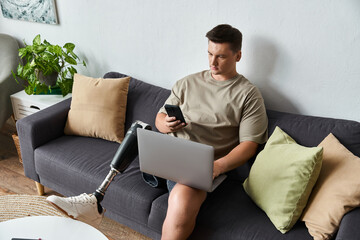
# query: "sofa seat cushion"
{"type": "Point", "coordinates": [130, 196]}
{"type": "Point", "coordinates": [77, 165]}
{"type": "Point", "coordinates": [233, 217]}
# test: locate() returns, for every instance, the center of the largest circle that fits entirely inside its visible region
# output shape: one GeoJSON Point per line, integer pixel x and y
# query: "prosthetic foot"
{"type": "Point", "coordinates": [87, 207]}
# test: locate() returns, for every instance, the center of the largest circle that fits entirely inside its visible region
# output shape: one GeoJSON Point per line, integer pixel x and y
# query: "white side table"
{"type": "Point", "coordinates": [49, 228]}
{"type": "Point", "coordinates": [25, 105]}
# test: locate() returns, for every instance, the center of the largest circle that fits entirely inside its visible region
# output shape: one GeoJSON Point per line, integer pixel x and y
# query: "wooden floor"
{"type": "Point", "coordinates": [13, 180]}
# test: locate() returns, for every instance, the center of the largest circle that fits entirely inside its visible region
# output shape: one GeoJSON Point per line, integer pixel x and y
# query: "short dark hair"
{"type": "Point", "coordinates": [224, 33]}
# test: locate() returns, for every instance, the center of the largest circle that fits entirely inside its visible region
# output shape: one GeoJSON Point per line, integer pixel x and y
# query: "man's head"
{"type": "Point", "coordinates": [225, 33]}
{"type": "Point", "coordinates": [224, 51]}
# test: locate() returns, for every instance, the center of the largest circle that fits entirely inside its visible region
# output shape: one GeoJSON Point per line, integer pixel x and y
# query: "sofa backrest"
{"type": "Point", "coordinates": [144, 100]}
{"type": "Point", "coordinates": [310, 131]}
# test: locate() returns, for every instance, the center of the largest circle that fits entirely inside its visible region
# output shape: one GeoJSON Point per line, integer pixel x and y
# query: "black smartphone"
{"type": "Point", "coordinates": [175, 111]}
{"type": "Point", "coordinates": [25, 239]}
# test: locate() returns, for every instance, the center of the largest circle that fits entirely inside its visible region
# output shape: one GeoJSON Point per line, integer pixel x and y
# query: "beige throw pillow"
{"type": "Point", "coordinates": [336, 191]}
{"type": "Point", "coordinates": [98, 108]}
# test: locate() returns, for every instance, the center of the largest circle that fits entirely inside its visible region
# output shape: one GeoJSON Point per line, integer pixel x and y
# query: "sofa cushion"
{"type": "Point", "coordinates": [282, 177]}
{"type": "Point", "coordinates": [98, 108]}
{"type": "Point", "coordinates": [336, 191]}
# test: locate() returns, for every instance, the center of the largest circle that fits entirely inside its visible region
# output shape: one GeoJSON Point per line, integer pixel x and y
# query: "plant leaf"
{"type": "Point", "coordinates": [67, 85]}
{"type": "Point", "coordinates": [33, 64]}
{"type": "Point", "coordinates": [72, 70]}
{"type": "Point", "coordinates": [22, 52]}
{"type": "Point", "coordinates": [57, 68]}
{"type": "Point", "coordinates": [69, 46]}
{"type": "Point", "coordinates": [50, 49]}
{"type": "Point", "coordinates": [57, 50]}
{"type": "Point", "coordinates": [39, 49]}
{"type": "Point", "coordinates": [70, 60]}
{"type": "Point", "coordinates": [74, 55]}
{"type": "Point", "coordinates": [37, 40]}
{"type": "Point", "coordinates": [47, 43]}
{"type": "Point", "coordinates": [48, 57]}
{"type": "Point", "coordinates": [29, 90]}
{"type": "Point", "coordinates": [19, 69]}
{"type": "Point", "coordinates": [41, 88]}
{"type": "Point", "coordinates": [27, 71]}
{"type": "Point", "coordinates": [14, 76]}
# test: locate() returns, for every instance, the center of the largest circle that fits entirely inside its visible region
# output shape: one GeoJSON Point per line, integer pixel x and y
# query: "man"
{"type": "Point", "coordinates": [224, 110]}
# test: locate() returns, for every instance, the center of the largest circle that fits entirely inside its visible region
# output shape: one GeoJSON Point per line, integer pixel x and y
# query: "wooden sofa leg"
{"type": "Point", "coordinates": [40, 188]}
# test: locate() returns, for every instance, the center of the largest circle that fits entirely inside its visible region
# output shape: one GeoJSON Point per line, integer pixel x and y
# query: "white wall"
{"type": "Point", "coordinates": [303, 55]}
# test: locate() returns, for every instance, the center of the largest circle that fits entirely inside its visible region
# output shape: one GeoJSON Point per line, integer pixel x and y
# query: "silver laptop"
{"type": "Point", "coordinates": [177, 159]}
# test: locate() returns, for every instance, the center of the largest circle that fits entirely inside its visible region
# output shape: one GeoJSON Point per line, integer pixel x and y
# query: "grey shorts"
{"type": "Point", "coordinates": [170, 185]}
{"type": "Point", "coordinates": [154, 181]}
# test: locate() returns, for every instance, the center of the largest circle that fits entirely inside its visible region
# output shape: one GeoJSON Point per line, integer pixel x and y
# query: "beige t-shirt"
{"type": "Point", "coordinates": [219, 113]}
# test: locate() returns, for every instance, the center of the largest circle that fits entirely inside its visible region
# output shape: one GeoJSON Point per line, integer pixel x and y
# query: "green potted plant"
{"type": "Point", "coordinates": [47, 68]}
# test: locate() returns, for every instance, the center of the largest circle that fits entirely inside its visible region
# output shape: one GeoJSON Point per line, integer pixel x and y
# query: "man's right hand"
{"type": "Point", "coordinates": [166, 124]}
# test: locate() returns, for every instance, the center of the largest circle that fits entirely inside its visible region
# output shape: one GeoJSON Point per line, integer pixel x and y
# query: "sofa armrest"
{"type": "Point", "coordinates": [349, 226]}
{"type": "Point", "coordinates": [38, 129]}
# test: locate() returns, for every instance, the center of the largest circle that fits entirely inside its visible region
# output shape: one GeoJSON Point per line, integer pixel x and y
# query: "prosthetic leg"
{"type": "Point", "coordinates": [125, 154]}
{"type": "Point", "coordinates": [87, 207]}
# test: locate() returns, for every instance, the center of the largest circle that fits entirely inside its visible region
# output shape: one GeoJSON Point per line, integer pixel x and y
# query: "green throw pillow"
{"type": "Point", "coordinates": [282, 177]}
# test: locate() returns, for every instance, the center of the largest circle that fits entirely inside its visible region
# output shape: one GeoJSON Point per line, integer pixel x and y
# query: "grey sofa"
{"type": "Point", "coordinates": [72, 165]}
{"type": "Point", "coordinates": [9, 60]}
